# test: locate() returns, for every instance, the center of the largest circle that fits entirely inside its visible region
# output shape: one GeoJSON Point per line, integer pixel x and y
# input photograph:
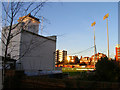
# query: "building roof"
{"type": "Point", "coordinates": [29, 16]}
{"type": "Point", "coordinates": [98, 54]}
{"type": "Point", "coordinates": [49, 38]}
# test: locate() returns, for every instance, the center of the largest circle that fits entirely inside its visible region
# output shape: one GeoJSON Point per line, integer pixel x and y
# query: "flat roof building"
{"type": "Point", "coordinates": [117, 48]}
{"type": "Point", "coordinates": [61, 56]}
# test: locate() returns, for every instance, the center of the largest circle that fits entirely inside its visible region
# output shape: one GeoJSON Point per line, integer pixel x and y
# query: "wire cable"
{"type": "Point", "coordinates": [81, 51]}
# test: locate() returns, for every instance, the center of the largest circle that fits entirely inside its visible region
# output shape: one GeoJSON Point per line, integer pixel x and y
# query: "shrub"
{"type": "Point", "coordinates": [107, 70]}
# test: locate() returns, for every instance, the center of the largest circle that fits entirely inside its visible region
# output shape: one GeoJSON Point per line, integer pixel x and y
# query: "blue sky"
{"type": "Point", "coordinates": [71, 22]}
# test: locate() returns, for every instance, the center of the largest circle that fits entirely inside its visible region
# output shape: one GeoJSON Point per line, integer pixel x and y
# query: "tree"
{"type": "Point", "coordinates": [76, 59]}
{"type": "Point", "coordinates": [11, 12]}
{"type": "Point", "coordinates": [107, 70]}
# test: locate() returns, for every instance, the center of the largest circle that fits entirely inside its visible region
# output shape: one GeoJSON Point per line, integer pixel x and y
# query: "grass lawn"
{"type": "Point", "coordinates": [64, 69]}
{"type": "Point", "coordinates": [75, 73]}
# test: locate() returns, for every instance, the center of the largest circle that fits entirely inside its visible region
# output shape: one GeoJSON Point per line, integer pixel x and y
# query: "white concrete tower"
{"type": "Point", "coordinates": [30, 23]}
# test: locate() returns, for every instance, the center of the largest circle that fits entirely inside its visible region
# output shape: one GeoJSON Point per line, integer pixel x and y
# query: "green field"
{"type": "Point", "coordinates": [64, 69]}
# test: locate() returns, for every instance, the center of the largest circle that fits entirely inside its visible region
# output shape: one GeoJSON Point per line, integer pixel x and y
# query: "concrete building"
{"type": "Point", "coordinates": [32, 51]}
{"type": "Point", "coordinates": [61, 56]}
{"type": "Point", "coordinates": [0, 62]}
{"type": "Point", "coordinates": [117, 48]}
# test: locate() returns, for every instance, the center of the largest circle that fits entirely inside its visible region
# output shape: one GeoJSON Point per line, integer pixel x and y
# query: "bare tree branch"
{"type": "Point", "coordinates": [3, 42]}
{"type": "Point", "coordinates": [5, 10]}
{"type": "Point", "coordinates": [38, 9]}
{"type": "Point", "coordinates": [38, 6]}
{"type": "Point", "coordinates": [29, 6]}
{"type": "Point", "coordinates": [17, 8]}
{"type": "Point", "coordinates": [8, 35]}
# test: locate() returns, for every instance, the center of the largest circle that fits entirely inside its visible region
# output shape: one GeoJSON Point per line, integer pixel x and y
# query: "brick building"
{"type": "Point", "coordinates": [117, 48]}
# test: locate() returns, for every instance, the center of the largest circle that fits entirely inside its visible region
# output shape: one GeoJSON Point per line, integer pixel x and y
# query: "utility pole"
{"type": "Point", "coordinates": [93, 24]}
{"type": "Point", "coordinates": [94, 48]}
{"type": "Point", "coordinates": [107, 37]}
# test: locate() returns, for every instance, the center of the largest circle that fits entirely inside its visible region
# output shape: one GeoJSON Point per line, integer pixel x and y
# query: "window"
{"type": "Point", "coordinates": [118, 57]}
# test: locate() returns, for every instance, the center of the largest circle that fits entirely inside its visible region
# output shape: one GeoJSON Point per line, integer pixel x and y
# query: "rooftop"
{"type": "Point", "coordinates": [30, 17]}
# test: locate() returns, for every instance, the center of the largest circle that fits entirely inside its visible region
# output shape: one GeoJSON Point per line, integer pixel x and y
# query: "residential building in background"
{"type": "Point", "coordinates": [97, 57]}
{"type": "Point", "coordinates": [61, 56]}
{"type": "Point", "coordinates": [72, 59]}
{"type": "Point", "coordinates": [90, 60]}
{"type": "Point", "coordinates": [117, 56]}
{"type": "Point", "coordinates": [85, 60]}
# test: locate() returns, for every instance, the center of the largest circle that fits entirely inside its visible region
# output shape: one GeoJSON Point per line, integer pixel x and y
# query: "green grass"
{"type": "Point", "coordinates": [66, 69]}
{"type": "Point", "coordinates": [69, 70]}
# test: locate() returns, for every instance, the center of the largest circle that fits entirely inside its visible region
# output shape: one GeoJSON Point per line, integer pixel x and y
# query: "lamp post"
{"type": "Point", "coordinates": [93, 24]}
{"type": "Point", "coordinates": [106, 17]}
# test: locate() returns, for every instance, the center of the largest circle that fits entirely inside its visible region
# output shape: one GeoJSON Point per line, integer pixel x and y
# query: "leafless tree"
{"type": "Point", "coordinates": [11, 12]}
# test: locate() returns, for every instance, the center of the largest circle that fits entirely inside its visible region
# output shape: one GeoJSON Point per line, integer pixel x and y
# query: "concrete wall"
{"type": "Point", "coordinates": [14, 45]}
{"type": "Point", "coordinates": [31, 25]}
{"type": "Point", "coordinates": [0, 72]}
{"type": "Point", "coordinates": [0, 62]}
{"type": "Point", "coordinates": [38, 51]}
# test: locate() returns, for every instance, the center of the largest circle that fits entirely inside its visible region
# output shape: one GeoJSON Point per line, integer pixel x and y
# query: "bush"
{"type": "Point", "coordinates": [107, 70]}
